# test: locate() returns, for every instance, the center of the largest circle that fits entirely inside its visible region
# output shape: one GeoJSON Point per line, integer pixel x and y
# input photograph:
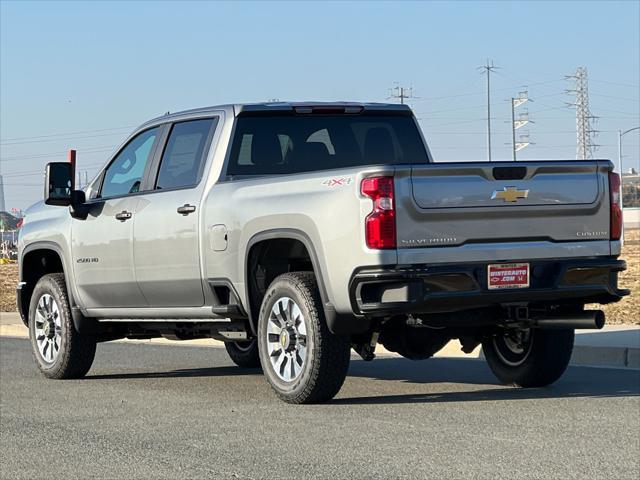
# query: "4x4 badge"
{"type": "Point", "coordinates": [509, 194]}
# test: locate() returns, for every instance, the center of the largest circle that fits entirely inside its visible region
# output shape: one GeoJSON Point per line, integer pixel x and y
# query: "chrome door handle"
{"type": "Point", "coordinates": [186, 209]}
{"type": "Point", "coordinates": [123, 216]}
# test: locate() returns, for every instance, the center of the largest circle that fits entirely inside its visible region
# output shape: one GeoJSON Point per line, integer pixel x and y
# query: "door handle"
{"type": "Point", "coordinates": [186, 209]}
{"type": "Point", "coordinates": [123, 216]}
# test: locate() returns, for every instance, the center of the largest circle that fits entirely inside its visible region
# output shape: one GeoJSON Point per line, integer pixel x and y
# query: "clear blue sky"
{"type": "Point", "coordinates": [89, 66]}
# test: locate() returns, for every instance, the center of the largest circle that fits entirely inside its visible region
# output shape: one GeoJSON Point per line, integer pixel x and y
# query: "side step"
{"type": "Point", "coordinates": [181, 329]}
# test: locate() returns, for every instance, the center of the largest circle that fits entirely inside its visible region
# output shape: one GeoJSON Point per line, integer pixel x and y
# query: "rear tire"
{"type": "Point", "coordinates": [59, 350]}
{"type": "Point", "coordinates": [244, 354]}
{"type": "Point", "coordinates": [302, 360]}
{"type": "Point", "coordinates": [536, 359]}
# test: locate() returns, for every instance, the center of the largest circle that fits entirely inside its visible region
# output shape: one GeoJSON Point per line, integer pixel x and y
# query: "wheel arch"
{"type": "Point", "coordinates": [268, 238]}
{"type": "Point", "coordinates": [36, 260]}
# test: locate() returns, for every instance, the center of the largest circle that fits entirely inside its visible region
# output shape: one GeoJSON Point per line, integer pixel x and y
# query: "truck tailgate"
{"type": "Point", "coordinates": [452, 204]}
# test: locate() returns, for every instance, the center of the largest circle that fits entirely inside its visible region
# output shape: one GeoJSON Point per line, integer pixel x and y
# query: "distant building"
{"type": "Point", "coordinates": [631, 189]}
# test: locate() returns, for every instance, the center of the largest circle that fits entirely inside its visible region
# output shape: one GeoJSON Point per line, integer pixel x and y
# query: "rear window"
{"type": "Point", "coordinates": [295, 144]}
{"type": "Point", "coordinates": [183, 157]}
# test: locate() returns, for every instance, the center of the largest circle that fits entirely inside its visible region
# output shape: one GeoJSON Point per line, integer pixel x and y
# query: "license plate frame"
{"type": "Point", "coordinates": [508, 276]}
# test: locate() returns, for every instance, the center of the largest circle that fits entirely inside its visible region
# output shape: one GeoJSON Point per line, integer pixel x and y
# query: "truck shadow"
{"type": "Point", "coordinates": [443, 380]}
{"type": "Point", "coordinates": [577, 382]}
{"type": "Point", "coordinates": [180, 373]}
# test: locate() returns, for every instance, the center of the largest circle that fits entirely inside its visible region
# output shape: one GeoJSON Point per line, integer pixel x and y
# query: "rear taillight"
{"type": "Point", "coordinates": [380, 224]}
{"type": "Point", "coordinates": [615, 228]}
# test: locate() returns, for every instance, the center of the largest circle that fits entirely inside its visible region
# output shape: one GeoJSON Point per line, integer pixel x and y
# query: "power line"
{"type": "Point", "coordinates": [631, 85]}
{"type": "Point", "coordinates": [470, 94]}
{"type": "Point", "coordinates": [27, 173]}
{"type": "Point", "coordinates": [616, 97]}
{"type": "Point", "coordinates": [49, 140]}
{"type": "Point", "coordinates": [96, 149]}
{"type": "Point", "coordinates": [64, 134]}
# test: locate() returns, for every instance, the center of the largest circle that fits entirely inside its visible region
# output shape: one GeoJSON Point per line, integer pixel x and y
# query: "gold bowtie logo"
{"type": "Point", "coordinates": [509, 194]}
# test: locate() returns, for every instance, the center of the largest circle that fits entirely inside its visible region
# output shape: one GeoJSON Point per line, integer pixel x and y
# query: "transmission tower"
{"type": "Point", "coordinates": [585, 133]}
{"type": "Point", "coordinates": [488, 69]}
{"type": "Point", "coordinates": [401, 93]}
{"type": "Point", "coordinates": [519, 122]}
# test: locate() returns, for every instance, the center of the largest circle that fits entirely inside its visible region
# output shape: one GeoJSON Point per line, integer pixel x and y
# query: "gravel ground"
{"type": "Point", "coordinates": [626, 311]}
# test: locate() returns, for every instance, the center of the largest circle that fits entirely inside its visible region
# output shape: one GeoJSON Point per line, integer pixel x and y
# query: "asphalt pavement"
{"type": "Point", "coordinates": [148, 411]}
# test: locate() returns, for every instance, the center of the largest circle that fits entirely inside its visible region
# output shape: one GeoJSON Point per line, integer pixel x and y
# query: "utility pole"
{"type": "Point", "coordinates": [523, 119]}
{"type": "Point", "coordinates": [3, 207]}
{"type": "Point", "coordinates": [401, 93]}
{"type": "Point", "coordinates": [585, 146]}
{"type": "Point", "coordinates": [488, 68]}
{"type": "Point", "coordinates": [620, 135]}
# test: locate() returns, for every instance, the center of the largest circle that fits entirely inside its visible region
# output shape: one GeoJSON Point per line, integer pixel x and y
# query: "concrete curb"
{"type": "Point", "coordinates": [607, 356]}
{"type": "Point", "coordinates": [615, 357]}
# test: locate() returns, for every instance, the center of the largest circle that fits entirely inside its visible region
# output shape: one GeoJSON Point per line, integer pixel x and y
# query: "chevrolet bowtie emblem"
{"type": "Point", "coordinates": [509, 194]}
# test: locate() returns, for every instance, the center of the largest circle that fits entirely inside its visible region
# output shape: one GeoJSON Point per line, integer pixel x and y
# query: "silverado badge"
{"type": "Point", "coordinates": [509, 194]}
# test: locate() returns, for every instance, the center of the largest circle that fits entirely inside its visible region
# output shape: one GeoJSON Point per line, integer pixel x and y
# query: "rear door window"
{"type": "Point", "coordinates": [184, 155]}
{"type": "Point", "coordinates": [303, 143]}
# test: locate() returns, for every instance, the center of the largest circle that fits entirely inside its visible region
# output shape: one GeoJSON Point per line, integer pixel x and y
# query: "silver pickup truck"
{"type": "Point", "coordinates": [295, 232]}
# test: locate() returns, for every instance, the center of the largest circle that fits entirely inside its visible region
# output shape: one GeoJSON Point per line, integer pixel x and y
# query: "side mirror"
{"type": "Point", "coordinates": [58, 184]}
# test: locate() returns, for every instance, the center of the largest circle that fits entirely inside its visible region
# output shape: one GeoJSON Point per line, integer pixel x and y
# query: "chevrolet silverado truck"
{"type": "Point", "coordinates": [295, 232]}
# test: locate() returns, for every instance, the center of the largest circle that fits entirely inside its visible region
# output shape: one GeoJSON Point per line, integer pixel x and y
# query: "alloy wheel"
{"type": "Point", "coordinates": [287, 339]}
{"type": "Point", "coordinates": [48, 328]}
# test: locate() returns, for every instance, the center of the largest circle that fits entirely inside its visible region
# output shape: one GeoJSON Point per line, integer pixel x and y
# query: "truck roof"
{"type": "Point", "coordinates": [238, 108]}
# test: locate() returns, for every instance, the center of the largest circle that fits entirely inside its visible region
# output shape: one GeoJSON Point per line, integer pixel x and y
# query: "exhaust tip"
{"type": "Point", "coordinates": [598, 319]}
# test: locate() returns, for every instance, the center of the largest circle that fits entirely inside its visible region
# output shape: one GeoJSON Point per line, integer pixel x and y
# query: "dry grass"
{"type": "Point", "coordinates": [8, 282]}
{"type": "Point", "coordinates": [626, 311]}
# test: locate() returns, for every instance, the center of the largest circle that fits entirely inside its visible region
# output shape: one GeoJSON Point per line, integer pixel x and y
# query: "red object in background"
{"type": "Point", "coordinates": [20, 222]}
{"type": "Point", "coordinates": [72, 161]}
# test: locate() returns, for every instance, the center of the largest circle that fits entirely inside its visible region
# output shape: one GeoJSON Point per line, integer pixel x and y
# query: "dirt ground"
{"type": "Point", "coordinates": [625, 311]}
{"type": "Point", "coordinates": [8, 282]}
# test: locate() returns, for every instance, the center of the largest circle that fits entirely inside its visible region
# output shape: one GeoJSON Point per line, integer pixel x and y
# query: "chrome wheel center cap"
{"type": "Point", "coordinates": [49, 329]}
{"type": "Point", "coordinates": [287, 339]}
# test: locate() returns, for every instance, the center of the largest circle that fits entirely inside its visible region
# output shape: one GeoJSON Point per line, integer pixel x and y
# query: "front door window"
{"type": "Point", "coordinates": [124, 175]}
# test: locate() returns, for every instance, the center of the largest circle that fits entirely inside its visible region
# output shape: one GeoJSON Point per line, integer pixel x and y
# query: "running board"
{"type": "Point", "coordinates": [182, 329]}
{"type": "Point", "coordinates": [164, 320]}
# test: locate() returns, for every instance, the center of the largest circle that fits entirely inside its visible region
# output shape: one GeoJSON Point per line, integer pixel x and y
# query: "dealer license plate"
{"type": "Point", "coordinates": [507, 275]}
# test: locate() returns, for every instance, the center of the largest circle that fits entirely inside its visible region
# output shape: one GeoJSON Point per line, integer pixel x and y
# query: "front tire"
{"type": "Point", "coordinates": [302, 360]}
{"type": "Point", "coordinates": [59, 350]}
{"type": "Point", "coordinates": [244, 354]}
{"type": "Point", "coordinates": [530, 357]}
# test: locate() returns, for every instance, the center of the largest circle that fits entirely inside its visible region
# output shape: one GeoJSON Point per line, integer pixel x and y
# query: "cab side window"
{"type": "Point", "coordinates": [125, 173]}
{"type": "Point", "coordinates": [183, 157]}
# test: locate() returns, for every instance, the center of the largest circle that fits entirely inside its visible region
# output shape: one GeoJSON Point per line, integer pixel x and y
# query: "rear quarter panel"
{"type": "Point", "coordinates": [325, 206]}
